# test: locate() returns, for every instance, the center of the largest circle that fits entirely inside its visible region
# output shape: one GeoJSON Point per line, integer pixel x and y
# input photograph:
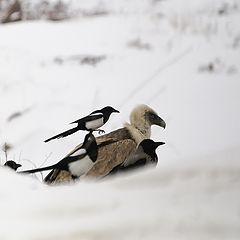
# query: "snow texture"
{"type": "Point", "coordinates": [180, 57]}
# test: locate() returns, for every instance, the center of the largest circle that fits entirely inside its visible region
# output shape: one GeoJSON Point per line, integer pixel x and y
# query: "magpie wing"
{"type": "Point", "coordinates": [88, 118]}
{"type": "Point", "coordinates": [78, 154]}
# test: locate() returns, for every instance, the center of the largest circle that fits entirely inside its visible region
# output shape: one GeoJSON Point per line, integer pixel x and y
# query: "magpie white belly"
{"type": "Point", "coordinates": [94, 124]}
{"type": "Point", "coordinates": [80, 167]}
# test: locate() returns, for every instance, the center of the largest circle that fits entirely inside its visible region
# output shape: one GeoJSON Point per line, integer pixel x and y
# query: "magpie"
{"type": "Point", "coordinates": [79, 162]}
{"type": "Point", "coordinates": [145, 154]}
{"type": "Point", "coordinates": [13, 165]}
{"type": "Point", "coordinates": [92, 122]}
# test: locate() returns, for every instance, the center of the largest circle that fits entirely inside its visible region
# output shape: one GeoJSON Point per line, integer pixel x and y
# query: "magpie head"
{"type": "Point", "coordinates": [13, 165]}
{"type": "Point", "coordinates": [149, 146]}
{"type": "Point", "coordinates": [109, 110]}
{"type": "Point", "coordinates": [90, 145]}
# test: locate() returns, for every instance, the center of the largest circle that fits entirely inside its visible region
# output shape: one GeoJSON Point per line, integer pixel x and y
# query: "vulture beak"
{"type": "Point", "coordinates": [158, 121]}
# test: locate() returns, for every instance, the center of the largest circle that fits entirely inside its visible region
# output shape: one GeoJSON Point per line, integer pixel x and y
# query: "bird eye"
{"type": "Point", "coordinates": [152, 116]}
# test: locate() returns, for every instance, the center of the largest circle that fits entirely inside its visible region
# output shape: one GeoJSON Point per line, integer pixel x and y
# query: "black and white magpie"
{"type": "Point", "coordinates": [145, 154]}
{"type": "Point", "coordinates": [91, 122]}
{"type": "Point", "coordinates": [79, 162]}
{"type": "Point", "coordinates": [13, 165]}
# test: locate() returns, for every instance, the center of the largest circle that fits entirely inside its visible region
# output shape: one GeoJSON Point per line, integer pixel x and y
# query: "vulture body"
{"type": "Point", "coordinates": [115, 147]}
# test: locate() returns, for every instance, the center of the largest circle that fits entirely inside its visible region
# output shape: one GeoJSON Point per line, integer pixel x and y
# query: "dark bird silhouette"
{"type": "Point", "coordinates": [115, 147]}
{"type": "Point", "coordinates": [13, 165]}
{"type": "Point", "coordinates": [79, 162]}
{"type": "Point", "coordinates": [145, 154]}
{"type": "Point", "coordinates": [92, 122]}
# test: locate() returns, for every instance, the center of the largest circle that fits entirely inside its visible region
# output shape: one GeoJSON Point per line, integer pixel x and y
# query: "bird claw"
{"type": "Point", "coordinates": [100, 131]}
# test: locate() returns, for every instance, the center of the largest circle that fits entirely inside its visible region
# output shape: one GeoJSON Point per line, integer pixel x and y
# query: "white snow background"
{"type": "Point", "coordinates": [180, 57]}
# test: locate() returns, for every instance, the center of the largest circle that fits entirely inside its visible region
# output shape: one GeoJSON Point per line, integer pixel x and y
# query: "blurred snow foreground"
{"type": "Point", "coordinates": [179, 57]}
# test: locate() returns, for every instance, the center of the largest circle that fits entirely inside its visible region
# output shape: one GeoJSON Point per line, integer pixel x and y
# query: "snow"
{"type": "Point", "coordinates": [189, 73]}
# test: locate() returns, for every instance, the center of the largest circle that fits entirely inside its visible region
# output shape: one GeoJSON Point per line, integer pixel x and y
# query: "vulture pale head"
{"type": "Point", "coordinates": [143, 117]}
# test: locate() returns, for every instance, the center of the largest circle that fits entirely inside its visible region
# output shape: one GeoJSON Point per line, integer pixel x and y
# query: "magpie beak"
{"type": "Point", "coordinates": [114, 110]}
{"type": "Point", "coordinates": [156, 144]}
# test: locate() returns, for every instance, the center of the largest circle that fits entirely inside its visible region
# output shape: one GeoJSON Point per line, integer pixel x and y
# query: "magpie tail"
{"type": "Point", "coordinates": [38, 169]}
{"type": "Point", "coordinates": [63, 134]}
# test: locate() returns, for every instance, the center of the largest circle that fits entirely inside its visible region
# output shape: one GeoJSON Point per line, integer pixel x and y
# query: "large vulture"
{"type": "Point", "coordinates": [116, 146]}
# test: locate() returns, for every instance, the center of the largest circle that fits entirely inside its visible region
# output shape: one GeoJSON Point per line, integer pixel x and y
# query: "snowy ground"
{"type": "Point", "coordinates": [180, 57]}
